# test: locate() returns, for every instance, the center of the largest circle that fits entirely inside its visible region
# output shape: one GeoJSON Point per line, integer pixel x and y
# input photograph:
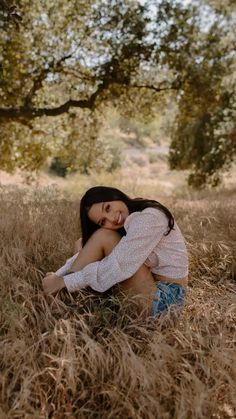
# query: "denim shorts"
{"type": "Point", "coordinates": [167, 294]}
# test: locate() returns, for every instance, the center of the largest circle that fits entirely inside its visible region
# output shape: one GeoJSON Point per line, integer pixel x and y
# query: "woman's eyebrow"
{"type": "Point", "coordinates": [99, 222]}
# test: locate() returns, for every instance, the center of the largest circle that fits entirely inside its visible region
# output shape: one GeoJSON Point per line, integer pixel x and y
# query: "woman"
{"type": "Point", "coordinates": [133, 242]}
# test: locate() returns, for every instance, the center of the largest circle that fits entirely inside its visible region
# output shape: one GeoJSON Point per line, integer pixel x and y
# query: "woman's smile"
{"type": "Point", "coordinates": [119, 221]}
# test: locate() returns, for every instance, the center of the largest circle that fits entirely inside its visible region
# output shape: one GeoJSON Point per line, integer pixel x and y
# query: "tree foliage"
{"type": "Point", "coordinates": [204, 140]}
{"type": "Point", "coordinates": [64, 63]}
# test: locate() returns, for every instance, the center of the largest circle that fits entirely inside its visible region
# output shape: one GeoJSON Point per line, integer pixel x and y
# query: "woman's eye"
{"type": "Point", "coordinates": [108, 207]}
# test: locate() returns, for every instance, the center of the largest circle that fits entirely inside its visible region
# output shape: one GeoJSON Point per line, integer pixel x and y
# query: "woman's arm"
{"type": "Point", "coordinates": [91, 252]}
{"type": "Point", "coordinates": [145, 230]}
{"type": "Point", "coordinates": [67, 266]}
{"type": "Point", "coordinates": [53, 281]}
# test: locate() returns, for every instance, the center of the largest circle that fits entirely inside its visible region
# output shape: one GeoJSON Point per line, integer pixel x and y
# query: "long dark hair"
{"type": "Point", "coordinates": [103, 194]}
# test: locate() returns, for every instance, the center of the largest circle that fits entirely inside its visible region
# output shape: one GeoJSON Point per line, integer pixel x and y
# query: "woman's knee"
{"type": "Point", "coordinates": [106, 238]}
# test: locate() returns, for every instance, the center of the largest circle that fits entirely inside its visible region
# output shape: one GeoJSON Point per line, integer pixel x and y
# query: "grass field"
{"type": "Point", "coordinates": [88, 355]}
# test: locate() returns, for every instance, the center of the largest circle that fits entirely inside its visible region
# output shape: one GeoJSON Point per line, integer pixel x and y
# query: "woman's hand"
{"type": "Point", "coordinates": [52, 283]}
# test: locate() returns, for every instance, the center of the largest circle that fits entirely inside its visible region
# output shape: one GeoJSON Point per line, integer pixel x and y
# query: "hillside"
{"type": "Point", "coordinates": [144, 167]}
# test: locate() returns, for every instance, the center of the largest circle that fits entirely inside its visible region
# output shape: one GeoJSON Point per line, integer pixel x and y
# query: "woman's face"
{"type": "Point", "coordinates": [110, 214]}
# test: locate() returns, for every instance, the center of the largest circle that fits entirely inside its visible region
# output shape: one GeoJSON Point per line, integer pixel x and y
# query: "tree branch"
{"type": "Point", "coordinates": [30, 112]}
{"type": "Point", "coordinates": [37, 83]}
{"type": "Point", "coordinates": [157, 89]}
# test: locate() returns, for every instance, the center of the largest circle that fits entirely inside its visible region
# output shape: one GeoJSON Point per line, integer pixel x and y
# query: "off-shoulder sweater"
{"type": "Point", "coordinates": [145, 242]}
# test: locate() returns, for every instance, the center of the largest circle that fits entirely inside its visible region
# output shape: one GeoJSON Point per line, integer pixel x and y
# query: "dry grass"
{"type": "Point", "coordinates": [93, 356]}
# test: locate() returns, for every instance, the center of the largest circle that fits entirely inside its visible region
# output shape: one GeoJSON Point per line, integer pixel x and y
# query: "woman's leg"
{"type": "Point", "coordinates": [100, 245]}
{"type": "Point", "coordinates": [97, 247]}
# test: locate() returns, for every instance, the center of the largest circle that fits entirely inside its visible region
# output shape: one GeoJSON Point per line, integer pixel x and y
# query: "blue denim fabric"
{"type": "Point", "coordinates": [167, 294]}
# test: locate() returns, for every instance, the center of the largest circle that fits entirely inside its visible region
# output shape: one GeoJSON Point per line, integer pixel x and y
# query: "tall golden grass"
{"type": "Point", "coordinates": [94, 356]}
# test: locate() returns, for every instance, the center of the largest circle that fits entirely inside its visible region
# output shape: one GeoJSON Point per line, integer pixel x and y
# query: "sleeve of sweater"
{"type": "Point", "coordinates": [144, 231]}
{"type": "Point", "coordinates": [64, 269]}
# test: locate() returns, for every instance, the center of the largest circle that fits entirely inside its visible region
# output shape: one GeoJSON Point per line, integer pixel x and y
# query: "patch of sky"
{"type": "Point", "coordinates": [207, 16]}
{"type": "Point", "coordinates": [110, 3]}
{"type": "Point", "coordinates": [44, 19]}
{"type": "Point", "coordinates": [52, 77]}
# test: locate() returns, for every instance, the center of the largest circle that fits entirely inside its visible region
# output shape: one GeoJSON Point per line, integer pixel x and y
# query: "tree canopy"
{"type": "Point", "coordinates": [66, 59]}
